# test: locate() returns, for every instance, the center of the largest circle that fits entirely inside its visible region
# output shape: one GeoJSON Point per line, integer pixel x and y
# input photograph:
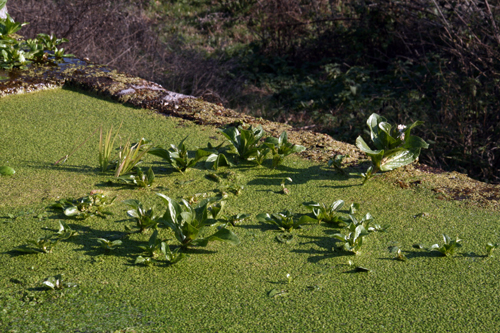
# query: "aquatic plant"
{"type": "Point", "coordinates": [84, 207]}
{"type": "Point", "coordinates": [109, 245]}
{"type": "Point", "coordinates": [328, 214]}
{"type": "Point", "coordinates": [130, 155]}
{"type": "Point", "coordinates": [245, 141]}
{"type": "Point", "coordinates": [176, 156]}
{"type": "Point", "coordinates": [281, 148]}
{"type": "Point", "coordinates": [140, 178]}
{"type": "Point", "coordinates": [448, 248]}
{"type": "Point", "coordinates": [187, 222]}
{"type": "Point", "coordinates": [145, 218]}
{"type": "Point", "coordinates": [41, 245]}
{"type": "Point", "coordinates": [106, 146]}
{"type": "Point", "coordinates": [394, 146]}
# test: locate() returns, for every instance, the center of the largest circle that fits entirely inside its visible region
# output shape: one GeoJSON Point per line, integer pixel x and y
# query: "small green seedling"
{"type": "Point", "coordinates": [215, 209]}
{"type": "Point", "coordinates": [146, 261]}
{"type": "Point", "coordinates": [353, 209]}
{"type": "Point", "coordinates": [140, 178]}
{"type": "Point", "coordinates": [9, 27]}
{"type": "Point", "coordinates": [172, 257]}
{"type": "Point", "coordinates": [352, 237]}
{"type": "Point", "coordinates": [284, 189]}
{"type": "Point", "coordinates": [281, 148]}
{"type": "Point", "coordinates": [336, 163]}
{"type": "Point", "coordinates": [285, 221]}
{"type": "Point", "coordinates": [91, 205]}
{"type": "Point", "coordinates": [261, 153]}
{"type": "Point", "coordinates": [108, 245]}
{"type": "Point", "coordinates": [328, 214]}
{"type": "Point", "coordinates": [289, 278]}
{"type": "Point", "coordinates": [41, 245]}
{"type": "Point", "coordinates": [367, 175]}
{"type": "Point", "coordinates": [57, 283]}
{"type": "Point", "coordinates": [367, 223]}
{"type": "Point", "coordinates": [176, 156]}
{"type": "Point", "coordinates": [398, 254]}
{"type": "Point", "coordinates": [236, 219]}
{"type": "Point", "coordinates": [153, 248]}
{"type": "Point", "coordinates": [448, 248]}
{"type": "Point", "coordinates": [215, 157]}
{"type": "Point", "coordinates": [145, 218]}
{"type": "Point", "coordinates": [490, 247]}
{"type": "Point", "coordinates": [65, 231]}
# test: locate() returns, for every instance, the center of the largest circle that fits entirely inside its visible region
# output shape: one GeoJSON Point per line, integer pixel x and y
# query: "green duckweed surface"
{"type": "Point", "coordinates": [223, 288]}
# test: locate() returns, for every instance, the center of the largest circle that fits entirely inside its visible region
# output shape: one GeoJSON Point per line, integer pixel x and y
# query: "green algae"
{"type": "Point", "coordinates": [225, 288]}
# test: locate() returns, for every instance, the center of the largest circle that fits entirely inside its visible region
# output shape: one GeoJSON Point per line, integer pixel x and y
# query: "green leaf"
{"type": "Point", "coordinates": [399, 158]}
{"type": "Point", "coordinates": [6, 171]}
{"type": "Point", "coordinates": [415, 142]}
{"type": "Point", "coordinates": [225, 235]}
{"type": "Point", "coordinates": [376, 155]}
{"type": "Point", "coordinates": [372, 123]}
{"type": "Point", "coordinates": [71, 211]}
{"type": "Point", "coordinates": [305, 219]}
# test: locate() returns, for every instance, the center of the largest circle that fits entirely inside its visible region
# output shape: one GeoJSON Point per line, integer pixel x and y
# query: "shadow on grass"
{"type": "Point", "coordinates": [328, 249]}
{"type": "Point", "coordinates": [302, 176]}
{"type": "Point", "coordinates": [262, 226]}
{"type": "Point", "coordinates": [423, 254]}
{"type": "Point", "coordinates": [61, 167]}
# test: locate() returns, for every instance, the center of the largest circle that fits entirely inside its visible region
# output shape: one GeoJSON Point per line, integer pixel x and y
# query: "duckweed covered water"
{"type": "Point", "coordinates": [224, 288]}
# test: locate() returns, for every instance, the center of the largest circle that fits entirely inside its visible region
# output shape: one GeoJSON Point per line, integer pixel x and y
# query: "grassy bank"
{"type": "Point", "coordinates": [221, 287]}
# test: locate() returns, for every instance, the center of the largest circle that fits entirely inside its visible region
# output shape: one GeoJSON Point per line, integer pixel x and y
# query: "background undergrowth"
{"type": "Point", "coordinates": [324, 64]}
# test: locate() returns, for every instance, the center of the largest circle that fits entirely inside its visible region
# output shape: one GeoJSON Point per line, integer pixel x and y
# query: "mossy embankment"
{"type": "Point", "coordinates": [226, 288]}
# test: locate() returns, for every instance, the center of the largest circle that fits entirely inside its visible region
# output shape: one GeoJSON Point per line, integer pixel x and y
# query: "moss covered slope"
{"type": "Point", "coordinates": [225, 288]}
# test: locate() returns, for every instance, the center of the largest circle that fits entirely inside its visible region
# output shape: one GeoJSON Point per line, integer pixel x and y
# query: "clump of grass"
{"type": "Point", "coordinates": [106, 144]}
{"type": "Point", "coordinates": [130, 155]}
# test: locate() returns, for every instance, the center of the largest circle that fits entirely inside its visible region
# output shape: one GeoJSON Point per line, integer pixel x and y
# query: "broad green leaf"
{"type": "Point", "coordinates": [307, 219]}
{"type": "Point", "coordinates": [160, 152]}
{"type": "Point", "coordinates": [399, 158]}
{"type": "Point", "coordinates": [71, 211]}
{"type": "Point", "coordinates": [361, 144]}
{"type": "Point", "coordinates": [372, 123]}
{"type": "Point", "coordinates": [414, 142]}
{"type": "Point", "coordinates": [6, 171]}
{"type": "Point", "coordinates": [337, 205]}
{"type": "Point", "coordinates": [225, 235]}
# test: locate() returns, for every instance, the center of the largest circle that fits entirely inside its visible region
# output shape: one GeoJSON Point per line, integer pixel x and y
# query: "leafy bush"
{"type": "Point", "coordinates": [245, 141]}
{"type": "Point", "coordinates": [187, 222]}
{"type": "Point", "coordinates": [394, 145]}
